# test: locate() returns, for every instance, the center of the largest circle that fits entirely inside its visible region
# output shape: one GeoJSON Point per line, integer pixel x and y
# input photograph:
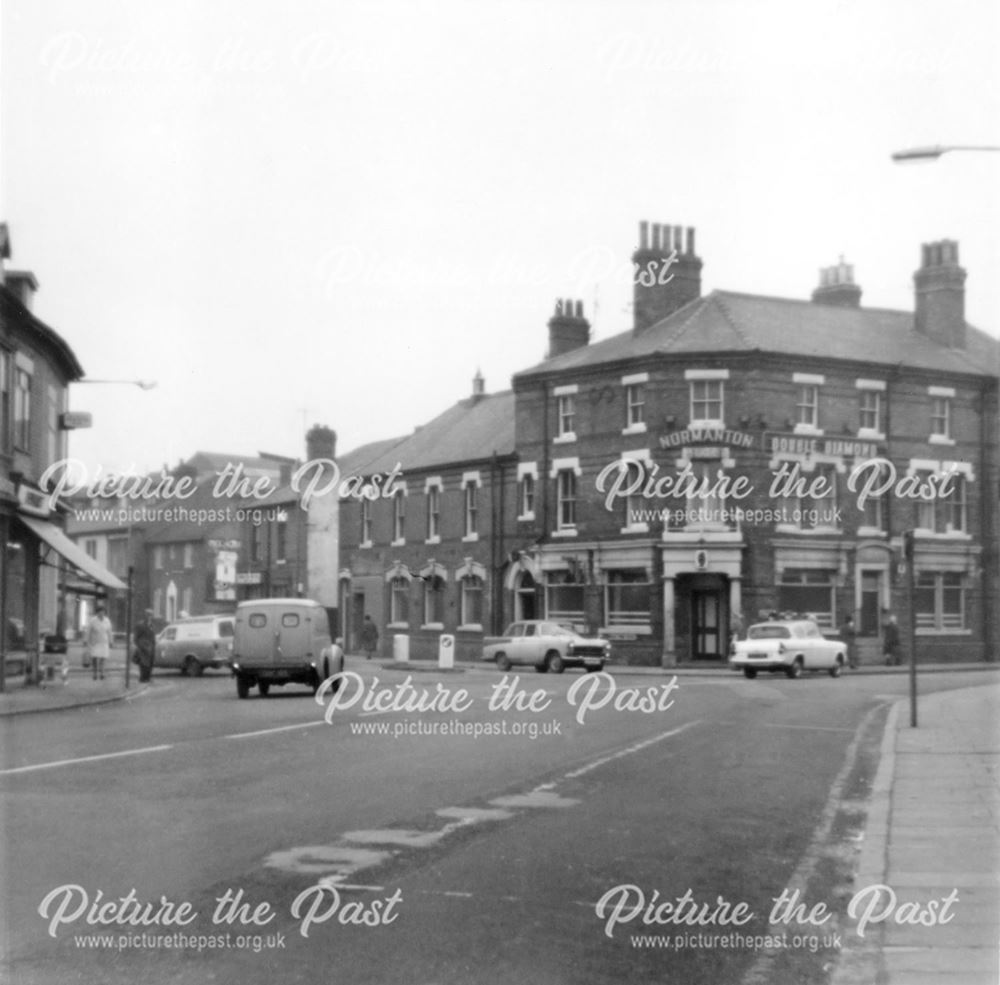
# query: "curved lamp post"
{"type": "Point", "coordinates": [141, 384]}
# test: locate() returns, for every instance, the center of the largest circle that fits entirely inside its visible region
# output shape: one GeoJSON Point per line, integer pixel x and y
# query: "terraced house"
{"type": "Point", "coordinates": [732, 454]}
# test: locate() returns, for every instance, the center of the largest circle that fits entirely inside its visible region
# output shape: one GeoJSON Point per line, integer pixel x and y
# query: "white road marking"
{"type": "Point", "coordinates": [810, 728]}
{"type": "Point", "coordinates": [628, 752]}
{"type": "Point", "coordinates": [535, 798]}
{"type": "Point", "coordinates": [273, 731]}
{"type": "Point", "coordinates": [84, 759]}
{"type": "Point", "coordinates": [332, 861]}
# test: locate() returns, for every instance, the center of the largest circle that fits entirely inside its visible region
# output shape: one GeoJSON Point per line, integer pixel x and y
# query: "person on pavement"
{"type": "Point", "coordinates": [145, 646]}
{"type": "Point", "coordinates": [98, 640]}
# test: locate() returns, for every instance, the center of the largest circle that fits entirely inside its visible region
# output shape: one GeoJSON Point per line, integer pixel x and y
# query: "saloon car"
{"type": "Point", "coordinates": [546, 646]}
{"type": "Point", "coordinates": [788, 645]}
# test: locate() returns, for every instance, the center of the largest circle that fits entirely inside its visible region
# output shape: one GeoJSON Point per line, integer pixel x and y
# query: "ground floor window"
{"type": "Point", "coordinates": [563, 597]}
{"type": "Point", "coordinates": [399, 600]}
{"type": "Point", "coordinates": [472, 601]}
{"type": "Point", "coordinates": [808, 591]}
{"type": "Point", "coordinates": [626, 599]}
{"type": "Point", "coordinates": [433, 600]}
{"type": "Point", "coordinates": [940, 600]}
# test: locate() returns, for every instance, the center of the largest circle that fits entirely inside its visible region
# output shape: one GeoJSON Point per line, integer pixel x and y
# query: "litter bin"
{"type": "Point", "coordinates": [446, 651]}
{"type": "Point", "coordinates": [401, 648]}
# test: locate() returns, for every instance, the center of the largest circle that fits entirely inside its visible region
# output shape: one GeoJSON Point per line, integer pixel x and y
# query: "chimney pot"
{"type": "Point", "coordinates": [643, 235]}
{"type": "Point", "coordinates": [837, 287]}
{"type": "Point", "coordinates": [654, 297]}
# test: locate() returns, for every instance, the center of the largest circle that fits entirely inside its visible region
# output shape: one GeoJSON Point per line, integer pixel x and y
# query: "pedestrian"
{"type": "Point", "coordinates": [145, 646]}
{"type": "Point", "coordinates": [369, 637]}
{"type": "Point", "coordinates": [99, 641]}
{"type": "Point", "coordinates": [890, 641]}
{"type": "Point", "coordinates": [848, 634]}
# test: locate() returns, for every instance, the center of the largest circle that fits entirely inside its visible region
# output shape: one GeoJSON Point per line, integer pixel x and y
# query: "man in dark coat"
{"type": "Point", "coordinates": [369, 637]}
{"type": "Point", "coordinates": [145, 646]}
{"type": "Point", "coordinates": [890, 642]}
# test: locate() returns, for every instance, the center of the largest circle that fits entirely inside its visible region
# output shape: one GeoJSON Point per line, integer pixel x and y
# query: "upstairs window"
{"type": "Point", "coordinates": [707, 403]}
{"type": "Point", "coordinates": [22, 409]}
{"type": "Point", "coordinates": [566, 415]}
{"type": "Point", "coordinates": [566, 499]}
{"type": "Point", "coordinates": [635, 405]}
{"type": "Point", "coordinates": [433, 512]}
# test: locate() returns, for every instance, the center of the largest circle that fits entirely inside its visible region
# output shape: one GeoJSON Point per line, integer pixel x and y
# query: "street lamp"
{"type": "Point", "coordinates": [933, 153]}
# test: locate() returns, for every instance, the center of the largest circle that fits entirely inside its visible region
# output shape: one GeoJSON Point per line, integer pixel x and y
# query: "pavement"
{"type": "Point", "coordinates": [933, 835]}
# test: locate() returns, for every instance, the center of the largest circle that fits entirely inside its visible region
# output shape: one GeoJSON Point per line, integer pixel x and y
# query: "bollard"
{"type": "Point", "coordinates": [401, 648]}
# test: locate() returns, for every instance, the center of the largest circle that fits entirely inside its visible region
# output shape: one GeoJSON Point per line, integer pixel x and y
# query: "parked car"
{"type": "Point", "coordinates": [789, 645]}
{"type": "Point", "coordinates": [546, 646]}
{"type": "Point", "coordinates": [190, 645]}
{"type": "Point", "coordinates": [283, 641]}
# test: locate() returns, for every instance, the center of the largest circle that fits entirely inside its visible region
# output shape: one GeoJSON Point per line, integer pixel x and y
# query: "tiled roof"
{"type": "Point", "coordinates": [470, 430]}
{"type": "Point", "coordinates": [725, 321]}
{"type": "Point", "coordinates": [356, 462]}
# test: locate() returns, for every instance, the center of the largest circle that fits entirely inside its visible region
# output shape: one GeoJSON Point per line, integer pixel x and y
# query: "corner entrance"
{"type": "Point", "coordinates": [704, 601]}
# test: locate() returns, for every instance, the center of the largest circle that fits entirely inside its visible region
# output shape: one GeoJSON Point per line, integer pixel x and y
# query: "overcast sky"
{"type": "Point", "coordinates": [297, 212]}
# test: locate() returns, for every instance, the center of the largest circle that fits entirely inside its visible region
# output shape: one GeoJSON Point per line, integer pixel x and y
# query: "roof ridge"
{"type": "Point", "coordinates": [727, 315]}
{"type": "Point", "coordinates": [694, 305]}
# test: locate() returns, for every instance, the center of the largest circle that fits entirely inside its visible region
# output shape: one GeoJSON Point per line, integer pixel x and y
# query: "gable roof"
{"type": "Point", "coordinates": [727, 321]}
{"type": "Point", "coordinates": [470, 430]}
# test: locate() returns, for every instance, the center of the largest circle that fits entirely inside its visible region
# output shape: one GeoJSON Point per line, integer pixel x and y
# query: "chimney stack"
{"type": "Point", "coordinates": [478, 385]}
{"type": "Point", "coordinates": [568, 329]}
{"type": "Point", "coordinates": [321, 442]}
{"type": "Point", "coordinates": [940, 294]}
{"type": "Point", "coordinates": [22, 284]}
{"type": "Point", "coordinates": [837, 287]}
{"type": "Point", "coordinates": [667, 273]}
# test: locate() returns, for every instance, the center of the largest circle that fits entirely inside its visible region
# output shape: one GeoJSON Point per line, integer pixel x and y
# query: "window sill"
{"type": "Point", "coordinates": [940, 439]}
{"type": "Point", "coordinates": [398, 543]}
{"type": "Point", "coordinates": [365, 545]}
{"type": "Point", "coordinates": [944, 632]}
{"type": "Point", "coordinates": [470, 538]}
{"type": "Point", "coordinates": [869, 434]}
{"type": "Point", "coordinates": [809, 430]}
{"type": "Point", "coordinates": [564, 439]}
{"type": "Point", "coordinates": [433, 626]}
{"type": "Point", "coordinates": [397, 625]}
{"type": "Point", "coordinates": [636, 528]}
{"type": "Point", "coordinates": [471, 627]}
{"type": "Point", "coordinates": [635, 428]}
{"type": "Point", "coordinates": [526, 517]}
{"type": "Point", "coordinates": [565, 532]}
{"type": "Point", "coordinates": [433, 540]}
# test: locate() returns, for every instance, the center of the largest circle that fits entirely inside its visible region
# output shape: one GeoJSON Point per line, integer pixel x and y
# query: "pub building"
{"type": "Point", "coordinates": [733, 454]}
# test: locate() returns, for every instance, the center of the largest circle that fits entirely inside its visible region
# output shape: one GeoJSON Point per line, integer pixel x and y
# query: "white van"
{"type": "Point", "coordinates": [283, 641]}
{"type": "Point", "coordinates": [190, 645]}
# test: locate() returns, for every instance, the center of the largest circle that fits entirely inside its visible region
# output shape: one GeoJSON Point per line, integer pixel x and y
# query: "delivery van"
{"type": "Point", "coordinates": [190, 645]}
{"type": "Point", "coordinates": [283, 641]}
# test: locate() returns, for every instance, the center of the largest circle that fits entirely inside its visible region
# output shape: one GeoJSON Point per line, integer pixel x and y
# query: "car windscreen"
{"type": "Point", "coordinates": [768, 633]}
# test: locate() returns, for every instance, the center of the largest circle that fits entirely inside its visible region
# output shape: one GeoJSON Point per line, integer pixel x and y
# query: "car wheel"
{"type": "Point", "coordinates": [554, 662]}
{"type": "Point", "coordinates": [191, 667]}
{"type": "Point", "coordinates": [242, 687]}
{"type": "Point", "coordinates": [503, 662]}
{"type": "Point", "coordinates": [795, 670]}
{"type": "Point", "coordinates": [750, 672]}
{"type": "Point", "coordinates": [263, 687]}
{"type": "Point", "coordinates": [837, 667]}
{"type": "Point", "coordinates": [315, 683]}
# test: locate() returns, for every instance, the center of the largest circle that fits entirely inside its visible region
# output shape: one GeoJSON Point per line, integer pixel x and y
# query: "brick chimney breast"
{"type": "Point", "coordinates": [837, 287]}
{"type": "Point", "coordinates": [321, 442]}
{"type": "Point", "coordinates": [568, 329]}
{"type": "Point", "coordinates": [940, 294]}
{"type": "Point", "coordinates": [666, 274]}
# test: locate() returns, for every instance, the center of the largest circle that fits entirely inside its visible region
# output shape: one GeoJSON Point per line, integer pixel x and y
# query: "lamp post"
{"type": "Point", "coordinates": [933, 153]}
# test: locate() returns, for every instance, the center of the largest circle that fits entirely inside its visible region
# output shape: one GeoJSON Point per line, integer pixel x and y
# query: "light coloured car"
{"type": "Point", "coordinates": [546, 646]}
{"type": "Point", "coordinates": [283, 641]}
{"type": "Point", "coordinates": [788, 645]}
{"type": "Point", "coordinates": [190, 645]}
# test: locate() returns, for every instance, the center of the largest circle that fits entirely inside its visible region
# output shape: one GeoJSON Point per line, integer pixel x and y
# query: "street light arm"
{"type": "Point", "coordinates": [141, 384]}
{"type": "Point", "coordinates": [933, 153]}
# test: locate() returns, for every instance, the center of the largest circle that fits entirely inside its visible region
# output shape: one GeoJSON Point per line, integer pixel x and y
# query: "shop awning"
{"type": "Point", "coordinates": [75, 555]}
